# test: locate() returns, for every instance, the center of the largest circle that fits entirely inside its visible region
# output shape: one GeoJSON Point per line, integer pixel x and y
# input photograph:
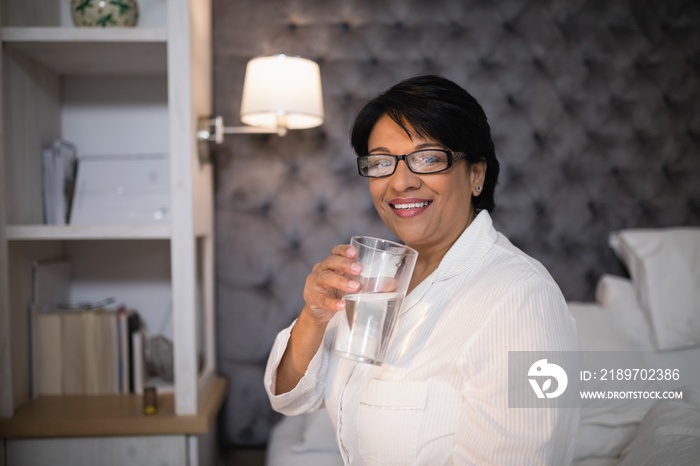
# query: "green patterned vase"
{"type": "Point", "coordinates": [104, 13]}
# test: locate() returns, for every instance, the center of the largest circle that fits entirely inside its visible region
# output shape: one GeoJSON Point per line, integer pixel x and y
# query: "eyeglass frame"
{"type": "Point", "coordinates": [452, 158]}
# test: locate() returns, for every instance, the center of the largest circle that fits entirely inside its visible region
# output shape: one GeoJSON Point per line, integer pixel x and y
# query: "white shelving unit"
{"type": "Point", "coordinates": [110, 91]}
{"type": "Point", "coordinates": [93, 51]}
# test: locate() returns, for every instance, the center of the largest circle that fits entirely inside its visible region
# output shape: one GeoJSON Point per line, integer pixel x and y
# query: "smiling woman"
{"type": "Point", "coordinates": [441, 395]}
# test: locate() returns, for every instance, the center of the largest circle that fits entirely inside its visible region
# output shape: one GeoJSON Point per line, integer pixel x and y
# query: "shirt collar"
{"type": "Point", "coordinates": [470, 247]}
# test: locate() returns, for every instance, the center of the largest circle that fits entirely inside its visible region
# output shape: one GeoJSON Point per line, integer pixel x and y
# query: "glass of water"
{"type": "Point", "coordinates": [370, 314]}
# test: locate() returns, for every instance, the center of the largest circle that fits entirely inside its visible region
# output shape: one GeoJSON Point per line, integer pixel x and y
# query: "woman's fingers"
{"type": "Point", "coordinates": [344, 250]}
{"type": "Point", "coordinates": [329, 279]}
{"type": "Point", "coordinates": [324, 288]}
{"type": "Point", "coordinates": [342, 259]}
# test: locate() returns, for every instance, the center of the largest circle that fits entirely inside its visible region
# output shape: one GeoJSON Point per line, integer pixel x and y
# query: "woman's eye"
{"type": "Point", "coordinates": [431, 159]}
{"type": "Point", "coordinates": [380, 163]}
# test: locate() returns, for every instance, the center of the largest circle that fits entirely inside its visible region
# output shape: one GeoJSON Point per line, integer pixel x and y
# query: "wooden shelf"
{"type": "Point", "coordinates": [86, 232]}
{"type": "Point", "coordinates": [90, 416]}
{"type": "Point", "coordinates": [92, 51]}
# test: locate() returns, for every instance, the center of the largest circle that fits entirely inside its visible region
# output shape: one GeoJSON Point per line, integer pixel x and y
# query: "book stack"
{"type": "Point", "coordinates": [84, 349]}
{"type": "Point", "coordinates": [88, 352]}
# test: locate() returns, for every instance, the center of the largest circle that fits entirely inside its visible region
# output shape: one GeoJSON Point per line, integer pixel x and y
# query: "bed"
{"type": "Point", "coordinates": [655, 312]}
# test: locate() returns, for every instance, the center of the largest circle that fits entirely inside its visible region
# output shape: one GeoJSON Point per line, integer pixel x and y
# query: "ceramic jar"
{"type": "Point", "coordinates": [104, 13]}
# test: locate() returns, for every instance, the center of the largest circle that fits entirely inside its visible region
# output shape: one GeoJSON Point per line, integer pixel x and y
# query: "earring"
{"type": "Point", "coordinates": [478, 189]}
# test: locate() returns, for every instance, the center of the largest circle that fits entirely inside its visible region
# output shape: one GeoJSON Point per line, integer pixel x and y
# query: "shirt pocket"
{"type": "Point", "coordinates": [389, 419]}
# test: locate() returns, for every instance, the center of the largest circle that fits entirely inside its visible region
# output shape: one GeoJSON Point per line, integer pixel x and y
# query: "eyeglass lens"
{"type": "Point", "coordinates": [423, 161]}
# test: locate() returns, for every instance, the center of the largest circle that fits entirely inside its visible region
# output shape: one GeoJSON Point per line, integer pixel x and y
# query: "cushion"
{"type": "Point", "coordinates": [598, 329]}
{"type": "Point", "coordinates": [599, 333]}
{"type": "Point", "coordinates": [616, 295]}
{"type": "Point", "coordinates": [665, 269]}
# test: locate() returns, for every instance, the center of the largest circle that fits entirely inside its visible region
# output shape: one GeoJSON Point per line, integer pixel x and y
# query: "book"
{"type": "Point", "coordinates": [138, 361]}
{"type": "Point", "coordinates": [108, 349]}
{"type": "Point", "coordinates": [123, 359]}
{"type": "Point", "coordinates": [135, 351]}
{"type": "Point", "coordinates": [91, 358]}
{"type": "Point", "coordinates": [85, 351]}
{"type": "Point", "coordinates": [73, 352]}
{"type": "Point", "coordinates": [49, 380]}
{"type": "Point", "coordinates": [101, 356]}
{"type": "Point", "coordinates": [50, 285]}
{"type": "Point", "coordinates": [128, 323]}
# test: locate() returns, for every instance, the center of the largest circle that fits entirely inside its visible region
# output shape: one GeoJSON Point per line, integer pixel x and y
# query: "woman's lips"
{"type": "Point", "coordinates": [406, 208]}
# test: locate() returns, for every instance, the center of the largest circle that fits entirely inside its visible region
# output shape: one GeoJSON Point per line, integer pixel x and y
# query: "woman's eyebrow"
{"type": "Point", "coordinates": [425, 145]}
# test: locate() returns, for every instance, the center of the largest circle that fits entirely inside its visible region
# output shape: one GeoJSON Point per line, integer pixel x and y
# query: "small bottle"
{"type": "Point", "coordinates": [150, 401]}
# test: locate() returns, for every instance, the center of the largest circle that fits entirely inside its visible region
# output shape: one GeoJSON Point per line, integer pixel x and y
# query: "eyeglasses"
{"type": "Point", "coordinates": [422, 162]}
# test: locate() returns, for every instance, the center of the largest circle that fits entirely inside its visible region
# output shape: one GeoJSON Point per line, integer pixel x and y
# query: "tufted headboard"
{"type": "Point", "coordinates": [595, 113]}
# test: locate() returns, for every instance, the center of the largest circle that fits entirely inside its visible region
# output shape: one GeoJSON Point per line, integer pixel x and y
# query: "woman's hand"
{"type": "Point", "coordinates": [321, 293]}
{"type": "Point", "coordinates": [327, 282]}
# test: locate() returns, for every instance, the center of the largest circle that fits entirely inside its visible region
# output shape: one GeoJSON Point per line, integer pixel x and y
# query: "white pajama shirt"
{"type": "Point", "coordinates": [441, 396]}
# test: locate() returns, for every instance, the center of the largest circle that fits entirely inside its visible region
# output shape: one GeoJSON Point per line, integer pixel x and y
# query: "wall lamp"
{"type": "Point", "coordinates": [280, 93]}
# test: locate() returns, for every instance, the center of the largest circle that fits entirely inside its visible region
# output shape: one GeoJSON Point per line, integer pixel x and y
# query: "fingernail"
{"type": "Point", "coordinates": [355, 267]}
{"type": "Point", "coordinates": [351, 251]}
{"type": "Point", "coordinates": [340, 305]}
{"type": "Point", "coordinates": [354, 284]}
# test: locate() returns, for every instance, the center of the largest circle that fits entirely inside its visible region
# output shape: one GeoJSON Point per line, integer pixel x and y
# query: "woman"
{"type": "Point", "coordinates": [441, 396]}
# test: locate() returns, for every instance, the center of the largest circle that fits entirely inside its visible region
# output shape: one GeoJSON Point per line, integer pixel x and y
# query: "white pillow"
{"type": "Point", "coordinates": [319, 434]}
{"type": "Point", "coordinates": [598, 329]}
{"type": "Point", "coordinates": [665, 269]}
{"type": "Point", "coordinates": [600, 333]}
{"type": "Point", "coordinates": [617, 297]}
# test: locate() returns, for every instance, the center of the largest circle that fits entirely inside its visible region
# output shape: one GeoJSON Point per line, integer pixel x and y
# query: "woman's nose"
{"type": "Point", "coordinates": [404, 179]}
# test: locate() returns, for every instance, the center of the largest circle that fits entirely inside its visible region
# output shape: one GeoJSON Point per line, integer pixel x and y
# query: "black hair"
{"type": "Point", "coordinates": [439, 109]}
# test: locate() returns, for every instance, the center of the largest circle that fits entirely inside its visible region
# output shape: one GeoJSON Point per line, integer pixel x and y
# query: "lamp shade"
{"type": "Point", "coordinates": [282, 90]}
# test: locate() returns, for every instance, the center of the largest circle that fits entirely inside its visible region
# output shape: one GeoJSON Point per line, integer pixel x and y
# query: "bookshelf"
{"type": "Point", "coordinates": [92, 51]}
{"type": "Point", "coordinates": [125, 92]}
{"type": "Point", "coordinates": [86, 232]}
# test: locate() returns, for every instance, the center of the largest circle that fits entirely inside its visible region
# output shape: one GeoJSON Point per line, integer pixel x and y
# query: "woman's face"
{"type": "Point", "coordinates": [427, 212]}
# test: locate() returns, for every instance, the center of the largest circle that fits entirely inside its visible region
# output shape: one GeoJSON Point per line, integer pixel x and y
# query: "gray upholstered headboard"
{"type": "Point", "coordinates": [595, 113]}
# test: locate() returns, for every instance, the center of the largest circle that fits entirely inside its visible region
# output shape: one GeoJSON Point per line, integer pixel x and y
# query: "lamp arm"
{"type": "Point", "coordinates": [212, 129]}
{"type": "Point", "coordinates": [280, 130]}
{"type": "Point", "coordinates": [247, 129]}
